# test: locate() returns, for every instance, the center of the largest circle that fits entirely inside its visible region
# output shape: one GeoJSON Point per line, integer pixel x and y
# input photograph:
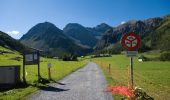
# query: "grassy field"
{"type": "Point", "coordinates": [59, 70]}
{"type": "Point", "coordinates": [152, 76]}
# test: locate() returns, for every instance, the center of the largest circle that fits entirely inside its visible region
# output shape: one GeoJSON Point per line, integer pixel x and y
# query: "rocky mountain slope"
{"type": "Point", "coordinates": [85, 36]}
{"type": "Point", "coordinates": [141, 27]}
{"type": "Point", "coordinates": [46, 36]}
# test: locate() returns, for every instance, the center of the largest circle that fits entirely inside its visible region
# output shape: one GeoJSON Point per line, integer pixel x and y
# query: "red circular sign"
{"type": "Point", "coordinates": [130, 41]}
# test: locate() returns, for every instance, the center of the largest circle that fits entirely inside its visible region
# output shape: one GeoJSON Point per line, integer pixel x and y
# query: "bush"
{"type": "Point", "coordinates": [141, 95]}
{"type": "Point", "coordinates": [165, 56]}
{"type": "Point", "coordinates": [70, 58]}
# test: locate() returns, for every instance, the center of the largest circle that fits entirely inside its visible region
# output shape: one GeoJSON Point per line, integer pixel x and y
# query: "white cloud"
{"type": "Point", "coordinates": [13, 32]}
{"type": "Point", "coordinates": [122, 22]}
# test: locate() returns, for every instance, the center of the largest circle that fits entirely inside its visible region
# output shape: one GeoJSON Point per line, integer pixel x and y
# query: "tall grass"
{"type": "Point", "coordinates": [152, 76]}
{"type": "Point", "coordinates": [59, 70]}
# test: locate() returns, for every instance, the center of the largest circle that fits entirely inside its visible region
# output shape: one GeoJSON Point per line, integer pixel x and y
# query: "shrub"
{"type": "Point", "coordinates": [141, 95]}
{"type": "Point", "coordinates": [165, 56]}
{"type": "Point", "coordinates": [70, 58]}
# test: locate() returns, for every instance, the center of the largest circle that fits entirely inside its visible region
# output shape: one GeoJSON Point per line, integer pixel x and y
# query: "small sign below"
{"type": "Point", "coordinates": [49, 65]}
{"type": "Point", "coordinates": [131, 53]}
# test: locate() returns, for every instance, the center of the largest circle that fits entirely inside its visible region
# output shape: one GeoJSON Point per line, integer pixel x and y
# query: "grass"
{"type": "Point", "coordinates": [59, 70]}
{"type": "Point", "coordinates": [152, 76]}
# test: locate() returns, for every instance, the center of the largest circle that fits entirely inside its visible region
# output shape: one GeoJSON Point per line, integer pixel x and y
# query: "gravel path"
{"type": "Point", "coordinates": [87, 83]}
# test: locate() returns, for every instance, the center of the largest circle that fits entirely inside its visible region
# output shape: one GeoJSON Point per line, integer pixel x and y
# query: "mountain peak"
{"type": "Point", "coordinates": [132, 21]}
{"type": "Point", "coordinates": [73, 25]}
{"type": "Point", "coordinates": [102, 27]}
{"type": "Point", "coordinates": [45, 25]}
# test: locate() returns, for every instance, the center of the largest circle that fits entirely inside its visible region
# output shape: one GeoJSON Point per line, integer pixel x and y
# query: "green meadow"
{"type": "Point", "coordinates": [59, 70]}
{"type": "Point", "coordinates": [152, 76]}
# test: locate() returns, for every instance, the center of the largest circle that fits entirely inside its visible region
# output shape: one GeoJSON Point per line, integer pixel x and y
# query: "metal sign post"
{"type": "Point", "coordinates": [131, 72]}
{"type": "Point", "coordinates": [131, 42]}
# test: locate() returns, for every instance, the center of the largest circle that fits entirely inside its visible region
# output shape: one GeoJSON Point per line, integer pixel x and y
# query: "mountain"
{"type": "Point", "coordinates": [142, 27]}
{"type": "Point", "coordinates": [85, 35]}
{"type": "Point", "coordinates": [10, 43]}
{"type": "Point", "coordinates": [46, 36]}
{"type": "Point", "coordinates": [99, 30]}
{"type": "Point", "coordinates": [80, 34]}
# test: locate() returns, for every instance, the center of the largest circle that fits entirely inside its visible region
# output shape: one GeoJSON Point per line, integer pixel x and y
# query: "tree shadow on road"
{"type": "Point", "coordinates": [51, 88]}
{"type": "Point", "coordinates": [58, 82]}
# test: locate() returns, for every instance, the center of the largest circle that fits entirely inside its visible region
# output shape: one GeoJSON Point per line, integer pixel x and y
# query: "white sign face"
{"type": "Point", "coordinates": [131, 53]}
{"type": "Point", "coordinates": [29, 57]}
{"type": "Point", "coordinates": [131, 41]}
{"type": "Point", "coordinates": [49, 65]}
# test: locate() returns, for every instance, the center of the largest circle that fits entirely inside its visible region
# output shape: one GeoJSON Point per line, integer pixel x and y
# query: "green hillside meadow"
{"type": "Point", "coordinates": [152, 76]}
{"type": "Point", "coordinates": [59, 70]}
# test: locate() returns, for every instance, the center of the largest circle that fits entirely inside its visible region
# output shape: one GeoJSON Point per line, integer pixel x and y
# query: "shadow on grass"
{"type": "Point", "coordinates": [40, 85]}
{"type": "Point", "coordinates": [58, 82]}
{"type": "Point", "coordinates": [6, 87]}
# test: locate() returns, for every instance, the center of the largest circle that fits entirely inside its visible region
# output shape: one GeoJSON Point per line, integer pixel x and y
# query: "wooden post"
{"type": "Point", "coordinates": [24, 80]}
{"type": "Point", "coordinates": [49, 73]}
{"type": "Point", "coordinates": [49, 70]}
{"type": "Point", "coordinates": [109, 68]}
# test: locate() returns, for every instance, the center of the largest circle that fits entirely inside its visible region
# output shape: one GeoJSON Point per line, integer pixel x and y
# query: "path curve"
{"type": "Point", "coordinates": [87, 83]}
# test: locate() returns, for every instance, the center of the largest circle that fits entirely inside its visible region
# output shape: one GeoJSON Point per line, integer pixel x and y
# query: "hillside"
{"type": "Point", "coordinates": [10, 43]}
{"type": "Point", "coordinates": [46, 36]}
{"type": "Point", "coordinates": [77, 39]}
{"type": "Point", "coordinates": [160, 38]}
{"type": "Point", "coordinates": [144, 28]}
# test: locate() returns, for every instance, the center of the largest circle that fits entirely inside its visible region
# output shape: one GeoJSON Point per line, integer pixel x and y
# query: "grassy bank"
{"type": "Point", "coordinates": [152, 76]}
{"type": "Point", "coordinates": [59, 70]}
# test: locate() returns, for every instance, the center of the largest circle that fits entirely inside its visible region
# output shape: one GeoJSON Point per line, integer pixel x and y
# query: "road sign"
{"type": "Point", "coordinates": [131, 53]}
{"type": "Point", "coordinates": [130, 41]}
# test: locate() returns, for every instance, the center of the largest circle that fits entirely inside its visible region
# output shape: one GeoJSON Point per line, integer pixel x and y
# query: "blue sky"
{"type": "Point", "coordinates": [18, 16]}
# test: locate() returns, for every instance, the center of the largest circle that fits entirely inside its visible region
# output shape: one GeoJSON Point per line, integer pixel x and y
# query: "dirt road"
{"type": "Point", "coordinates": [87, 83]}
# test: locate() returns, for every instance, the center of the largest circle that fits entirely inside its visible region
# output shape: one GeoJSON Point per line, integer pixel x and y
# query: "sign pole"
{"type": "Point", "coordinates": [24, 68]}
{"type": "Point", "coordinates": [131, 72]}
